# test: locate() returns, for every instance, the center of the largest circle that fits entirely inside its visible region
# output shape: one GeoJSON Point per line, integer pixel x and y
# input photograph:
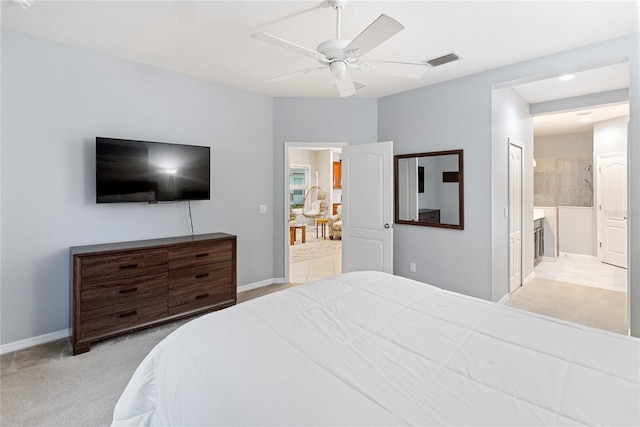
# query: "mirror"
{"type": "Point", "coordinates": [429, 189]}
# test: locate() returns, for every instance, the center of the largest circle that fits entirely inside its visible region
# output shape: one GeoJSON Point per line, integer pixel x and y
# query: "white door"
{"type": "Point", "coordinates": [367, 207]}
{"type": "Point", "coordinates": [515, 216]}
{"type": "Point", "coordinates": [612, 207]}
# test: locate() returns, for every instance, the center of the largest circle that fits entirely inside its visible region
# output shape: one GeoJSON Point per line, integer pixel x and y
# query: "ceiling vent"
{"type": "Point", "coordinates": [445, 59]}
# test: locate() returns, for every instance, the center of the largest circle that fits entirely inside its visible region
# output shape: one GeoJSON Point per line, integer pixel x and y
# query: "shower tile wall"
{"type": "Point", "coordinates": [563, 182]}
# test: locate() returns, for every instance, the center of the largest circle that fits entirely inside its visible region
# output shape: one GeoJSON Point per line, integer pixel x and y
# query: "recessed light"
{"type": "Point", "coordinates": [584, 117]}
{"type": "Point", "coordinates": [567, 77]}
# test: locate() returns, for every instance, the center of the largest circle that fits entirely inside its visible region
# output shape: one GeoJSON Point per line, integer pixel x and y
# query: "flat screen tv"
{"type": "Point", "coordinates": [142, 171]}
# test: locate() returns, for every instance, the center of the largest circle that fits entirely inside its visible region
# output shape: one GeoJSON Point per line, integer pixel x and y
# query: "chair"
{"type": "Point", "coordinates": [315, 203]}
{"type": "Point", "coordinates": [335, 225]}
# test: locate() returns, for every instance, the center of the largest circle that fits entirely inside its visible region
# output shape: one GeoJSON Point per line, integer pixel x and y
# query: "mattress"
{"type": "Point", "coordinates": [369, 348]}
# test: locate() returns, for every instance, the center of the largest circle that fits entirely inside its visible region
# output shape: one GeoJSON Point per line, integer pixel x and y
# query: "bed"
{"type": "Point", "coordinates": [369, 348]}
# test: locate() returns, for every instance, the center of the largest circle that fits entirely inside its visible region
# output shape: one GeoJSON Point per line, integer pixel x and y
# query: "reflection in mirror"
{"type": "Point", "coordinates": [429, 189]}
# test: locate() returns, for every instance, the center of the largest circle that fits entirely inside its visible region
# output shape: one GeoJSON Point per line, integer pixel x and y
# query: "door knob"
{"type": "Point", "coordinates": [387, 225]}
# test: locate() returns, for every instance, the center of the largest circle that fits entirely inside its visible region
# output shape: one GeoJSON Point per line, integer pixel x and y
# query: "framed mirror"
{"type": "Point", "coordinates": [429, 189]}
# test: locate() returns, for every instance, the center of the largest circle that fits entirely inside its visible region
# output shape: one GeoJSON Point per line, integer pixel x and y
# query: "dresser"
{"type": "Point", "coordinates": [121, 287]}
{"type": "Point", "coordinates": [429, 215]}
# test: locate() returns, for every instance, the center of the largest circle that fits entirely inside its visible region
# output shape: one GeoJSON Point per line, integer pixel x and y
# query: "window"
{"type": "Point", "coordinates": [298, 184]}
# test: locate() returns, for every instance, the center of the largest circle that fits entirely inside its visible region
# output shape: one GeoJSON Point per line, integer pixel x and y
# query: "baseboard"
{"type": "Point", "coordinates": [579, 256]}
{"type": "Point", "coordinates": [65, 333]}
{"type": "Point", "coordinates": [529, 278]}
{"type": "Point", "coordinates": [30, 342]}
{"type": "Point", "coordinates": [260, 284]}
{"type": "Point", "coordinates": [504, 299]}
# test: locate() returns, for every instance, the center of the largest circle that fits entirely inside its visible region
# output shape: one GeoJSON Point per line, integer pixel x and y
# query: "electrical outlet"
{"type": "Point", "coordinates": [262, 209]}
{"type": "Point", "coordinates": [412, 267]}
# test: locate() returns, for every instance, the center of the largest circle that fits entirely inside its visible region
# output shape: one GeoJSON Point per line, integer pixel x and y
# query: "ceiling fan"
{"type": "Point", "coordinates": [339, 55]}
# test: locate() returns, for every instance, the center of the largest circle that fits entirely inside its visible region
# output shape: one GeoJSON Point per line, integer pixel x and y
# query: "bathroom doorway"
{"type": "Point", "coordinates": [573, 132]}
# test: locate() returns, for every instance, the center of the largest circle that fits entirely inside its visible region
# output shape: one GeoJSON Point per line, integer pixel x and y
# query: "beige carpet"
{"type": "Point", "coordinates": [313, 248]}
{"type": "Point", "coordinates": [46, 386]}
{"type": "Point", "coordinates": [586, 305]}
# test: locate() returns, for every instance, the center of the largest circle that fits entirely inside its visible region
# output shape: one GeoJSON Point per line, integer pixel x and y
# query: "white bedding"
{"type": "Point", "coordinates": [370, 348]}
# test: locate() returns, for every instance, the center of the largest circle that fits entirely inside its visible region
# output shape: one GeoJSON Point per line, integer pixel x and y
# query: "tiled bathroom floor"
{"type": "Point", "coordinates": [584, 271]}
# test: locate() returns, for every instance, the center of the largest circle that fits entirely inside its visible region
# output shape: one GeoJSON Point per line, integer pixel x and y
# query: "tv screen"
{"type": "Point", "coordinates": [142, 171]}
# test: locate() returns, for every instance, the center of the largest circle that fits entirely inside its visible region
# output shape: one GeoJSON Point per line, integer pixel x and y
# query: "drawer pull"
{"type": "Point", "coordinates": [201, 255]}
{"type": "Point", "coordinates": [200, 276]}
{"type": "Point", "coordinates": [202, 296]}
{"type": "Point", "coordinates": [126, 291]}
{"type": "Point", "coordinates": [128, 314]}
{"type": "Point", "coordinates": [128, 266]}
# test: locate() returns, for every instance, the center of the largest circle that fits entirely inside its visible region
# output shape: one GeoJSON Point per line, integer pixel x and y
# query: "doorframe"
{"type": "Point", "coordinates": [285, 192]}
{"type": "Point", "coordinates": [511, 141]}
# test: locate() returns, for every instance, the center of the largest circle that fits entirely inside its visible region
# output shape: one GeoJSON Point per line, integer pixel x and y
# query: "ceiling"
{"type": "Point", "coordinates": [211, 40]}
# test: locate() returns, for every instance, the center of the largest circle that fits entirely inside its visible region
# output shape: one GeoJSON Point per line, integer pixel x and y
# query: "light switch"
{"type": "Point", "coordinates": [263, 209]}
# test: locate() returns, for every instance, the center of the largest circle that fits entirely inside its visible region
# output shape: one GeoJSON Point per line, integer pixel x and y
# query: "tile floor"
{"type": "Point", "coordinates": [317, 268]}
{"type": "Point", "coordinates": [583, 271]}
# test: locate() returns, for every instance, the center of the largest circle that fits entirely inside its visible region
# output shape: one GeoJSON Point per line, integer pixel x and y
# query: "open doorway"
{"type": "Point", "coordinates": [576, 135]}
{"type": "Point", "coordinates": [313, 197]}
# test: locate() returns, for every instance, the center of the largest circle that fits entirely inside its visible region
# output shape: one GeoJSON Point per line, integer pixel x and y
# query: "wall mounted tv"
{"type": "Point", "coordinates": [142, 171]}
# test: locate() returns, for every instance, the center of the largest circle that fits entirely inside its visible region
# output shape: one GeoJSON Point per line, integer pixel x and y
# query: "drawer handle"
{"type": "Point", "coordinates": [202, 296]}
{"type": "Point", "coordinates": [128, 314]}
{"type": "Point", "coordinates": [200, 276]}
{"type": "Point", "coordinates": [125, 267]}
{"type": "Point", "coordinates": [126, 291]}
{"type": "Point", "coordinates": [201, 255]}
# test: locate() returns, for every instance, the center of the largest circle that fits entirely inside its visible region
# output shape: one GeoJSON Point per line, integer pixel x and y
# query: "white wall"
{"type": "Point", "coordinates": [511, 121]}
{"type": "Point", "coordinates": [610, 136]}
{"type": "Point", "coordinates": [576, 230]}
{"type": "Point", "coordinates": [55, 100]}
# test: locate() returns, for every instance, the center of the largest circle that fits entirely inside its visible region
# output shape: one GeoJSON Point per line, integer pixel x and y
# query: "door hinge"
{"type": "Point", "coordinates": [600, 244]}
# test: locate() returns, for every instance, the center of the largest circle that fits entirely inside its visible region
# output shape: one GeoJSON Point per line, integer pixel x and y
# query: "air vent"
{"type": "Point", "coordinates": [445, 59]}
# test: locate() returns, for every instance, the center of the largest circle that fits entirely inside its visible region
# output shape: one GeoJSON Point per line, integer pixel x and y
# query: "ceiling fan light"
{"type": "Point", "coordinates": [338, 68]}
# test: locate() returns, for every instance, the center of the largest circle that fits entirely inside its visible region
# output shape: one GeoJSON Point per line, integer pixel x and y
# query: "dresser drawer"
{"type": "Point", "coordinates": [106, 320]}
{"type": "Point", "coordinates": [202, 274]}
{"type": "Point", "coordinates": [199, 296]}
{"type": "Point", "coordinates": [200, 254]}
{"type": "Point", "coordinates": [102, 294]}
{"type": "Point", "coordinates": [117, 266]}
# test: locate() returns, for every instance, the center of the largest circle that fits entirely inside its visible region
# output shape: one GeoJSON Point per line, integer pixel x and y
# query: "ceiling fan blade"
{"type": "Point", "coordinates": [375, 34]}
{"type": "Point", "coordinates": [410, 70]}
{"type": "Point", "coordinates": [294, 74]}
{"type": "Point", "coordinates": [345, 85]}
{"type": "Point", "coordinates": [277, 41]}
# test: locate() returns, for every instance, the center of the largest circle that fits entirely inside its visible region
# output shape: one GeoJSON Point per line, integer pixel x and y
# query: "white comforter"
{"type": "Point", "coordinates": [369, 349]}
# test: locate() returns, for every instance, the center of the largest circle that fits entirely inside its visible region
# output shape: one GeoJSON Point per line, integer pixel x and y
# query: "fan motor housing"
{"type": "Point", "coordinates": [334, 48]}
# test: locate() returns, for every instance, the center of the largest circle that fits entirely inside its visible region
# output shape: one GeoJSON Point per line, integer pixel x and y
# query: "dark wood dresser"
{"type": "Point", "coordinates": [429, 215]}
{"type": "Point", "coordinates": [122, 287]}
